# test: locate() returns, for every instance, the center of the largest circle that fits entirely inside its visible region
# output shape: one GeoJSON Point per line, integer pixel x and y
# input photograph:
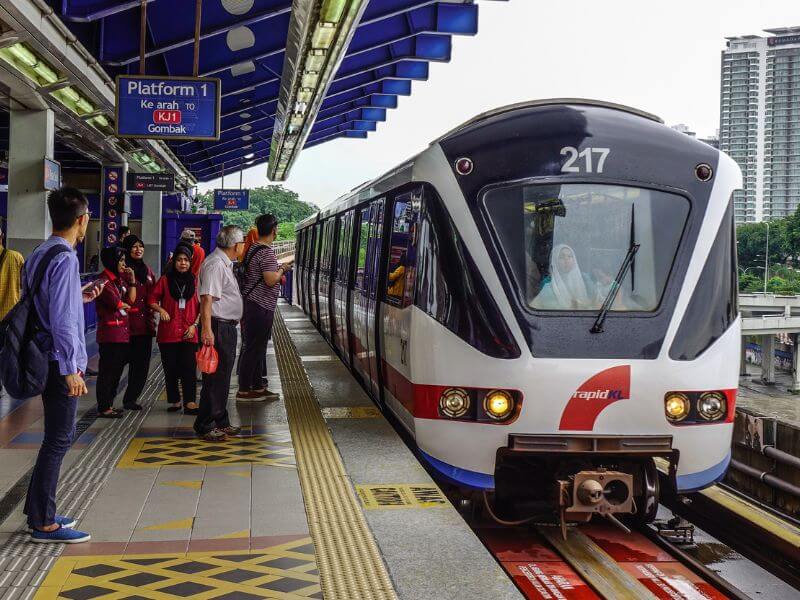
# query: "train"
{"type": "Point", "coordinates": [545, 299]}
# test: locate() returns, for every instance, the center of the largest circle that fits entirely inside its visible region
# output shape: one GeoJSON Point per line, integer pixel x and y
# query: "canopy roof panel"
{"type": "Point", "coordinates": [244, 43]}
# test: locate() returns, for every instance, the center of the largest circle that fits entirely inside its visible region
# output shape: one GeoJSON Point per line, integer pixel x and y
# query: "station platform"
{"type": "Point", "coordinates": [318, 498]}
{"type": "Point", "coordinates": [770, 400]}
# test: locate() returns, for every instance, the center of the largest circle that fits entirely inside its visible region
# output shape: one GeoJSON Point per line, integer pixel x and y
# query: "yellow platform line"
{"type": "Point", "coordinates": [349, 562]}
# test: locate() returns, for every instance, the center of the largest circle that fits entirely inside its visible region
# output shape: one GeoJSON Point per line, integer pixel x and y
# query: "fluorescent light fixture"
{"type": "Point", "coordinates": [305, 94]}
{"type": "Point", "coordinates": [323, 36]}
{"type": "Point", "coordinates": [331, 10]}
{"type": "Point", "coordinates": [315, 60]}
{"type": "Point", "coordinates": [297, 119]}
{"type": "Point", "coordinates": [248, 156]}
{"type": "Point", "coordinates": [310, 79]}
{"type": "Point", "coordinates": [21, 52]}
{"type": "Point", "coordinates": [72, 99]}
{"type": "Point", "coordinates": [26, 62]}
{"type": "Point", "coordinates": [46, 73]}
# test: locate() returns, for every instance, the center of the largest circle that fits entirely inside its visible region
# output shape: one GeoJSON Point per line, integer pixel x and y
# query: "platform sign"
{"type": "Point", "coordinates": [113, 203]}
{"type": "Point", "coordinates": [151, 182]}
{"type": "Point", "coordinates": [52, 174]}
{"type": "Point", "coordinates": [168, 108]}
{"type": "Point", "coordinates": [231, 199]}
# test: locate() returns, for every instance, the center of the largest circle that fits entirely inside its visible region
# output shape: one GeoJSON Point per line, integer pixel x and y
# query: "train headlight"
{"type": "Point", "coordinates": [711, 406]}
{"type": "Point", "coordinates": [676, 406]}
{"type": "Point", "coordinates": [454, 403]}
{"type": "Point", "coordinates": [498, 404]}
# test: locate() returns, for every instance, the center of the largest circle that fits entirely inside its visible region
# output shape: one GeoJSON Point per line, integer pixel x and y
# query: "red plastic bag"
{"type": "Point", "coordinates": [207, 359]}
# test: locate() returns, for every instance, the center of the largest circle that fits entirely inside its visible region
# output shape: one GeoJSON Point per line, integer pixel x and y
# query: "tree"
{"type": "Point", "coordinates": [751, 239]}
{"type": "Point", "coordinates": [276, 199]}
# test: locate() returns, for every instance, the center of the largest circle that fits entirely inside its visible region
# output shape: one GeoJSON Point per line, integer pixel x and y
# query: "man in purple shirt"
{"type": "Point", "coordinates": [59, 305]}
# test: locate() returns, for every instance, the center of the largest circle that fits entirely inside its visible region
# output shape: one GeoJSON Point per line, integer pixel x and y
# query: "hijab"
{"type": "Point", "coordinates": [568, 288]}
{"type": "Point", "coordinates": [137, 264]}
{"type": "Point", "coordinates": [110, 257]}
{"type": "Point", "coordinates": [181, 285]}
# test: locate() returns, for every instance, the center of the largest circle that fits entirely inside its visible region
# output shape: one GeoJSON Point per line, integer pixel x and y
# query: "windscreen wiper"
{"type": "Point", "coordinates": [615, 285]}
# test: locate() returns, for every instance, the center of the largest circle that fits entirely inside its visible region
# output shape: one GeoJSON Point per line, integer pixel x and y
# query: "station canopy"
{"type": "Point", "coordinates": [272, 56]}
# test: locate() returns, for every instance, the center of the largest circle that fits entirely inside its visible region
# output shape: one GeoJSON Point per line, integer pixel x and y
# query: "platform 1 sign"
{"type": "Point", "coordinates": [151, 182]}
{"type": "Point", "coordinates": [231, 199]}
{"type": "Point", "coordinates": [168, 108]}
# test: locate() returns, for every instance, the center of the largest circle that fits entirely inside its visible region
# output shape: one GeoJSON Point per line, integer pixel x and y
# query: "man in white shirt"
{"type": "Point", "coordinates": [220, 312]}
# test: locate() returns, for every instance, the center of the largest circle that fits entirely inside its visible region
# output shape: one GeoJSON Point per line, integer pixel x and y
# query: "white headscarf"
{"type": "Point", "coordinates": [568, 288]}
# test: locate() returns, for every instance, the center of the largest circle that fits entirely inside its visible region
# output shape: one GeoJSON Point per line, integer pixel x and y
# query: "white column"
{"type": "Point", "coordinates": [151, 229]}
{"type": "Point", "coordinates": [32, 138]}
{"type": "Point", "coordinates": [768, 359]}
{"type": "Point", "coordinates": [795, 387]}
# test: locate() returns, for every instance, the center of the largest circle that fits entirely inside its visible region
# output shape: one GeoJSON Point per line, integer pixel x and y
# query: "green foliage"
{"type": "Point", "coordinates": [752, 238]}
{"type": "Point", "coordinates": [784, 250]}
{"type": "Point", "coordinates": [276, 199]}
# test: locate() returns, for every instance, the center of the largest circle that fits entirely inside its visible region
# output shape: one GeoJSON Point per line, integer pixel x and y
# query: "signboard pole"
{"type": "Point", "coordinates": [143, 38]}
{"type": "Point", "coordinates": [112, 203]}
{"type": "Point", "coordinates": [198, 15]}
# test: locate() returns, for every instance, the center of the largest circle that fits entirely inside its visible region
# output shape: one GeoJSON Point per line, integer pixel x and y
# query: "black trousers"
{"type": "Point", "coordinates": [180, 371]}
{"type": "Point", "coordinates": [256, 331]}
{"type": "Point", "coordinates": [59, 429]}
{"type": "Point", "coordinates": [213, 411]}
{"type": "Point", "coordinates": [140, 349]}
{"type": "Point", "coordinates": [113, 358]}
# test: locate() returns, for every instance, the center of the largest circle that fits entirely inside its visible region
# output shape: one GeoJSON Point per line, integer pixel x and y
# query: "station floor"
{"type": "Point", "coordinates": [770, 400]}
{"type": "Point", "coordinates": [319, 498]}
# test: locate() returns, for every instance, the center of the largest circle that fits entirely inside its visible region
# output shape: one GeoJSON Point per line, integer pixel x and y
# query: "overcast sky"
{"type": "Point", "coordinates": [662, 57]}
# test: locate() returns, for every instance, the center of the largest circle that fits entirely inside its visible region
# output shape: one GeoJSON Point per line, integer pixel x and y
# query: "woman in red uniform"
{"type": "Point", "coordinates": [113, 327]}
{"type": "Point", "coordinates": [174, 298]}
{"type": "Point", "coordinates": [142, 327]}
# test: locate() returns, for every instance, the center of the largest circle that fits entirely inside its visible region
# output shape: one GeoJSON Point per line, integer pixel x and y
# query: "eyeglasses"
{"type": "Point", "coordinates": [88, 213]}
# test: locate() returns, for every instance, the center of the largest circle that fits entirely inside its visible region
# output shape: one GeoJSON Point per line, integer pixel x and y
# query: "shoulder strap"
{"type": "Point", "coordinates": [44, 262]}
{"type": "Point", "coordinates": [247, 265]}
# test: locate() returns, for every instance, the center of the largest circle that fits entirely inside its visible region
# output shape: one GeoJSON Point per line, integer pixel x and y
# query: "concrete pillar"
{"type": "Point", "coordinates": [151, 230]}
{"type": "Point", "coordinates": [795, 387]}
{"type": "Point", "coordinates": [743, 360]}
{"type": "Point", "coordinates": [32, 137]}
{"type": "Point", "coordinates": [768, 359]}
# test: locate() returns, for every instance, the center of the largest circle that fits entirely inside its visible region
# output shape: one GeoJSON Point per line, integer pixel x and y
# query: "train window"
{"type": "Point", "coordinates": [402, 263]}
{"type": "Point", "coordinates": [567, 243]}
{"type": "Point", "coordinates": [363, 241]}
{"type": "Point", "coordinates": [450, 287]}
{"type": "Point", "coordinates": [714, 304]}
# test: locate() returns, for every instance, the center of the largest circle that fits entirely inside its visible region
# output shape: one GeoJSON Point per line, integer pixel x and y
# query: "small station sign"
{"type": "Point", "coordinates": [168, 108]}
{"type": "Point", "coordinates": [151, 182]}
{"type": "Point", "coordinates": [52, 174]}
{"type": "Point", "coordinates": [231, 199]}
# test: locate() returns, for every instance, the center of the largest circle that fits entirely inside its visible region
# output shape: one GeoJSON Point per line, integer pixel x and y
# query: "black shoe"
{"type": "Point", "coordinates": [110, 415]}
{"type": "Point", "coordinates": [133, 406]}
{"type": "Point", "coordinates": [191, 411]}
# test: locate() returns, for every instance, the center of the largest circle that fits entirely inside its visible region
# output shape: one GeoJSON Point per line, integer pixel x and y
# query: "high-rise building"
{"type": "Point", "coordinates": [760, 121]}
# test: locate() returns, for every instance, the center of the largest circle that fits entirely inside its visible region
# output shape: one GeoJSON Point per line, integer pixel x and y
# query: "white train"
{"type": "Point", "coordinates": [546, 299]}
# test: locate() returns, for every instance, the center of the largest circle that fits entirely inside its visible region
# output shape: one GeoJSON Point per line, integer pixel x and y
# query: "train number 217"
{"type": "Point", "coordinates": [573, 165]}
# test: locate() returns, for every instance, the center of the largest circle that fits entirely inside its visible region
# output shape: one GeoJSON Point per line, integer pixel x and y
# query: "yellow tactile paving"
{"type": "Point", "coordinates": [285, 571]}
{"type": "Point", "coordinates": [153, 452]}
{"type": "Point", "coordinates": [350, 563]}
{"type": "Point", "coordinates": [351, 412]}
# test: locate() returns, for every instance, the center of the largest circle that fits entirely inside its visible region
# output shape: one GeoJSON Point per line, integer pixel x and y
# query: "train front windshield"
{"type": "Point", "coordinates": [566, 244]}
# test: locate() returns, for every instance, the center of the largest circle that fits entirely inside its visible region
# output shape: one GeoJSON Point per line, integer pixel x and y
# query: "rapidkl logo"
{"type": "Point", "coordinates": [594, 396]}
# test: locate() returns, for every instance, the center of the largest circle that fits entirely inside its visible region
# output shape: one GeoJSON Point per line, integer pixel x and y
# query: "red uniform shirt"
{"type": "Point", "coordinates": [172, 331]}
{"type": "Point", "coordinates": [113, 322]}
{"type": "Point", "coordinates": [197, 259]}
{"type": "Point", "coordinates": [141, 317]}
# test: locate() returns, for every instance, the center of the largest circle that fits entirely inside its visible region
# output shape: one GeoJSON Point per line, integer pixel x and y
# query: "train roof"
{"type": "Point", "coordinates": [402, 173]}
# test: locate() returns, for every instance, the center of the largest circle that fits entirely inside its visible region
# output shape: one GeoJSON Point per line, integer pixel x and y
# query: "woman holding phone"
{"type": "Point", "coordinates": [142, 327]}
{"type": "Point", "coordinates": [174, 298]}
{"type": "Point", "coordinates": [113, 327]}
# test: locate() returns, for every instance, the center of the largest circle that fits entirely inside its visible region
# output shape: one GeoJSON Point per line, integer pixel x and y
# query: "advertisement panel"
{"type": "Point", "coordinates": [168, 108]}
{"type": "Point", "coordinates": [52, 174]}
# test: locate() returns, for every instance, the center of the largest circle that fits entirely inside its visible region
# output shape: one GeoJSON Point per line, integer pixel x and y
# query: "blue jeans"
{"type": "Point", "coordinates": [59, 430]}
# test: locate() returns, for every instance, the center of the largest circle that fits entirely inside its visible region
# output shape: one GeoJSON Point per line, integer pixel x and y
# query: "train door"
{"type": "Point", "coordinates": [298, 269]}
{"type": "Point", "coordinates": [309, 269]}
{"type": "Point", "coordinates": [375, 247]}
{"type": "Point", "coordinates": [323, 285]}
{"type": "Point", "coordinates": [338, 326]}
{"type": "Point", "coordinates": [318, 243]}
{"type": "Point", "coordinates": [395, 319]}
{"type": "Point", "coordinates": [358, 295]}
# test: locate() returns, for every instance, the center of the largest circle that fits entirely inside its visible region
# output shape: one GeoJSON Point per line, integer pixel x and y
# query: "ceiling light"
{"type": "Point", "coordinates": [323, 35]}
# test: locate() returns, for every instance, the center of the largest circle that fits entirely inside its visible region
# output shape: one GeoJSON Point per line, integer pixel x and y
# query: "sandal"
{"type": "Point", "coordinates": [173, 407]}
{"type": "Point", "coordinates": [191, 410]}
